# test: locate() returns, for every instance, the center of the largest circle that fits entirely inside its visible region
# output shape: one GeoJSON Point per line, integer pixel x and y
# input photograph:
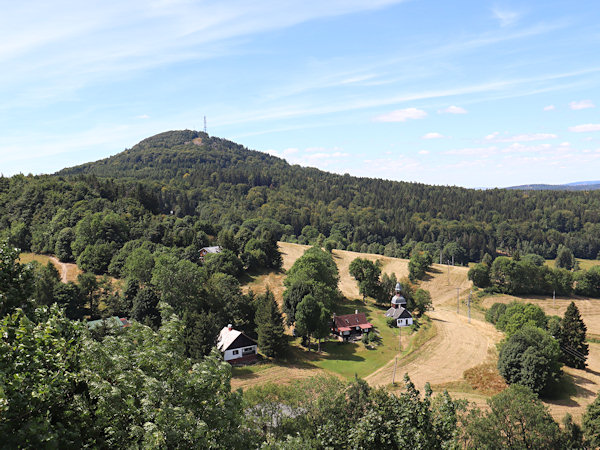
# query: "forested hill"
{"type": "Point", "coordinates": [177, 154]}
{"type": "Point", "coordinates": [187, 173]}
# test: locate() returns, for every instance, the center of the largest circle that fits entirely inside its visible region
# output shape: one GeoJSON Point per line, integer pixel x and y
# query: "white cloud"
{"type": "Point", "coordinates": [549, 108]}
{"type": "Point", "coordinates": [585, 128]}
{"type": "Point", "coordinates": [453, 110]}
{"type": "Point", "coordinates": [582, 104]}
{"type": "Point", "coordinates": [142, 116]}
{"type": "Point", "coordinates": [496, 137]}
{"type": "Point", "coordinates": [423, 152]}
{"type": "Point", "coordinates": [401, 115]}
{"type": "Point", "coordinates": [506, 17]}
{"type": "Point", "coordinates": [433, 135]}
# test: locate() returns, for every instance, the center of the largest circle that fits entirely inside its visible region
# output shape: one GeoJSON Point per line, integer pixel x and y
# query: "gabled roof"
{"type": "Point", "coordinates": [232, 339]}
{"type": "Point", "coordinates": [398, 313]}
{"type": "Point", "coordinates": [113, 321]}
{"type": "Point", "coordinates": [350, 320]}
{"type": "Point", "coordinates": [215, 249]}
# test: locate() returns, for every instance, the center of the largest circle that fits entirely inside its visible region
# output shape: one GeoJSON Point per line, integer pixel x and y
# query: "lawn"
{"type": "Point", "coordinates": [355, 359]}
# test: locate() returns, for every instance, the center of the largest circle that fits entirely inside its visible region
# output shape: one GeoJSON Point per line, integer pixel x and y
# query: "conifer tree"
{"type": "Point", "coordinates": [572, 338]}
{"type": "Point", "coordinates": [269, 325]}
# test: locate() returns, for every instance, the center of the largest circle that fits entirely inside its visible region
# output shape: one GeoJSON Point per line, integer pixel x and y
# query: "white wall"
{"type": "Point", "coordinates": [230, 354]}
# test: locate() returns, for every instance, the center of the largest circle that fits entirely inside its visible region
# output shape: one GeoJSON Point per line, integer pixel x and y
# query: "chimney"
{"type": "Point", "coordinates": [230, 327]}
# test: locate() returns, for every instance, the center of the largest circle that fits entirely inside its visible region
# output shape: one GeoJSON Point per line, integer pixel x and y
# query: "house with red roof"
{"type": "Point", "coordinates": [350, 326]}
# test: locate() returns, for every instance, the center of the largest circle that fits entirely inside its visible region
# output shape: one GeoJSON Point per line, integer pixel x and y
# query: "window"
{"type": "Point", "coordinates": [236, 352]}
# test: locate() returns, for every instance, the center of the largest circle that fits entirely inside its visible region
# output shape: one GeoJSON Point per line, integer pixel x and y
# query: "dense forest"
{"type": "Point", "coordinates": [178, 183]}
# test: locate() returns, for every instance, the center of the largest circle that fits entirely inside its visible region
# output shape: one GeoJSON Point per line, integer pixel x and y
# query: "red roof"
{"type": "Point", "coordinates": [344, 329]}
{"type": "Point", "coordinates": [351, 320]}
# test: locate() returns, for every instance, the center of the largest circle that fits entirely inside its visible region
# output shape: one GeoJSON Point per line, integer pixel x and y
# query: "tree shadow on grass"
{"type": "Point", "coordinates": [343, 351]}
{"type": "Point", "coordinates": [569, 386]}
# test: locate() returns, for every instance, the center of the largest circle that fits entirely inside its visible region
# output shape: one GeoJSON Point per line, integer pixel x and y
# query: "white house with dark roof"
{"type": "Point", "coordinates": [398, 310]}
{"type": "Point", "coordinates": [235, 345]}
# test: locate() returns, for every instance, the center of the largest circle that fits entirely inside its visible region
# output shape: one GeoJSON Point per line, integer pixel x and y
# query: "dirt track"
{"type": "Point", "coordinates": [458, 345]}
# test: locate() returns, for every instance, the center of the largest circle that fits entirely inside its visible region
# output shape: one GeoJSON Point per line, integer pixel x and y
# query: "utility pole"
{"type": "Point", "coordinates": [394, 374]}
{"type": "Point", "coordinates": [469, 305]}
{"type": "Point", "coordinates": [399, 339]}
{"type": "Point", "coordinates": [554, 299]}
{"type": "Point", "coordinates": [457, 301]}
{"type": "Point", "coordinates": [448, 263]}
{"type": "Point", "coordinates": [440, 257]}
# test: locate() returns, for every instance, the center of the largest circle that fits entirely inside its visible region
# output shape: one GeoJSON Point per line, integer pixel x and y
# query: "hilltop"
{"type": "Point", "coordinates": [190, 173]}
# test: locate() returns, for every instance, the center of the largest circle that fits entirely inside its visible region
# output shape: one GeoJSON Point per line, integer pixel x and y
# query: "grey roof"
{"type": "Point", "coordinates": [215, 249]}
{"type": "Point", "coordinates": [398, 300]}
{"type": "Point", "coordinates": [113, 321]}
{"type": "Point", "coordinates": [398, 313]}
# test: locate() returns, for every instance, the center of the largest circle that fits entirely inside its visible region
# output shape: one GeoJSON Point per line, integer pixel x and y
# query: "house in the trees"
{"type": "Point", "coordinates": [205, 250]}
{"type": "Point", "coordinates": [236, 346]}
{"type": "Point", "coordinates": [113, 321]}
{"type": "Point", "coordinates": [398, 309]}
{"type": "Point", "coordinates": [350, 326]}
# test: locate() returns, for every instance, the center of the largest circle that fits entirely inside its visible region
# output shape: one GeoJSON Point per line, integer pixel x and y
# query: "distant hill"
{"type": "Point", "coordinates": [576, 186]}
{"type": "Point", "coordinates": [176, 180]}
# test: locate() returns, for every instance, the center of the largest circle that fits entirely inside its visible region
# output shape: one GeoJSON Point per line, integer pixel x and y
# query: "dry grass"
{"type": "Point", "coordinates": [485, 378]}
{"type": "Point", "coordinates": [67, 271]}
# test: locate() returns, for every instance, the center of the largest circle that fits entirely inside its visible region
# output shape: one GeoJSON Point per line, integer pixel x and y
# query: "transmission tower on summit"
{"type": "Point", "coordinates": [205, 124]}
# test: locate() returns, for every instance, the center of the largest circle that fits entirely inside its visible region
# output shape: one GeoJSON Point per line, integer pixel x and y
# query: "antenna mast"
{"type": "Point", "coordinates": [205, 124]}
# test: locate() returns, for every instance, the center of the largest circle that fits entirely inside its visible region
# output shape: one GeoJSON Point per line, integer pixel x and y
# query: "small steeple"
{"type": "Point", "coordinates": [398, 300]}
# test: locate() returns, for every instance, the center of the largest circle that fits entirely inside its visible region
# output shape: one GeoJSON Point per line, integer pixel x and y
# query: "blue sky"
{"type": "Point", "coordinates": [469, 93]}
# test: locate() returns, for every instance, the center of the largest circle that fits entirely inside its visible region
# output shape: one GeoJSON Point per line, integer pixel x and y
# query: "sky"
{"type": "Point", "coordinates": [471, 93]}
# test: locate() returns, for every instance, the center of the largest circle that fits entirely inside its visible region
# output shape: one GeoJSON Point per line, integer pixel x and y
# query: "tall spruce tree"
{"type": "Point", "coordinates": [572, 338]}
{"type": "Point", "coordinates": [269, 325]}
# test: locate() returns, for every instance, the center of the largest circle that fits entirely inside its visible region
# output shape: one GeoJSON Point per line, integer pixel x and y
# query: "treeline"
{"type": "Point", "coordinates": [536, 346]}
{"type": "Point", "coordinates": [530, 275]}
{"type": "Point", "coordinates": [215, 181]}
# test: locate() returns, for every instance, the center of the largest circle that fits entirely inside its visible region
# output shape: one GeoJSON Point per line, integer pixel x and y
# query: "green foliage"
{"type": "Point", "coordinates": [419, 264]}
{"type": "Point", "coordinates": [269, 326]}
{"type": "Point", "coordinates": [516, 419]}
{"type": "Point", "coordinates": [155, 395]}
{"type": "Point", "coordinates": [62, 248]}
{"type": "Point", "coordinates": [366, 273]}
{"type": "Point", "coordinates": [312, 319]}
{"type": "Point", "coordinates": [422, 301]}
{"type": "Point", "coordinates": [16, 285]}
{"type": "Point", "coordinates": [564, 258]}
{"type": "Point", "coordinates": [588, 282]}
{"type": "Point", "coordinates": [517, 315]}
{"type": "Point", "coordinates": [480, 275]}
{"type": "Point", "coordinates": [531, 358]}
{"type": "Point", "coordinates": [42, 402]}
{"type": "Point", "coordinates": [495, 312]}
{"type": "Point", "coordinates": [591, 423]}
{"type": "Point", "coordinates": [314, 273]}
{"type": "Point", "coordinates": [224, 262]}
{"type": "Point", "coordinates": [572, 338]}
{"type": "Point", "coordinates": [45, 280]}
{"type": "Point", "coordinates": [179, 282]}
{"type": "Point", "coordinates": [139, 265]}
{"type": "Point", "coordinates": [145, 307]}
{"type": "Point", "coordinates": [525, 276]}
